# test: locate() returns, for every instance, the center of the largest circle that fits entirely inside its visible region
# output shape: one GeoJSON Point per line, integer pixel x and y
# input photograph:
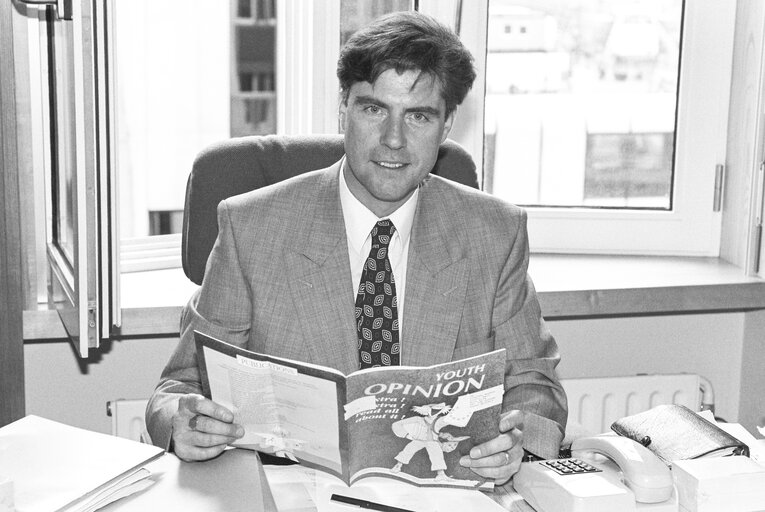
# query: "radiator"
{"type": "Point", "coordinates": [594, 403]}
{"type": "Point", "coordinates": [128, 418]}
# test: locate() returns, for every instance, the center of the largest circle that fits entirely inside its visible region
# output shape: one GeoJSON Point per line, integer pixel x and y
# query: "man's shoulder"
{"type": "Point", "coordinates": [462, 199]}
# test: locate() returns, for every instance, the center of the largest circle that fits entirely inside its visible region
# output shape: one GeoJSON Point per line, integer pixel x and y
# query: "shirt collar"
{"type": "Point", "coordinates": [359, 220]}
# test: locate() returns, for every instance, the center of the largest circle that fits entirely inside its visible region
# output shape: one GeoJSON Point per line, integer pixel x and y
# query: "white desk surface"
{"type": "Point", "coordinates": [230, 483]}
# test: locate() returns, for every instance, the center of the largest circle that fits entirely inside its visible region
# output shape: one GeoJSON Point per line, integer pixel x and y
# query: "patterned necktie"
{"type": "Point", "coordinates": [376, 304]}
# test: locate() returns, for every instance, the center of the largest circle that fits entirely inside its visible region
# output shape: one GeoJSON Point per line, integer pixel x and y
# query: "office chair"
{"type": "Point", "coordinates": [242, 164]}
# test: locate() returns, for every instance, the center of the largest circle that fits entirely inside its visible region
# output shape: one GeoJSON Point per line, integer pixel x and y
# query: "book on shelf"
{"type": "Point", "coordinates": [58, 467]}
{"type": "Point", "coordinates": [410, 423]}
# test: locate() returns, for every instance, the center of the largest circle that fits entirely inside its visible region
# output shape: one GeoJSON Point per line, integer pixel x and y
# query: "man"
{"type": "Point", "coordinates": [291, 262]}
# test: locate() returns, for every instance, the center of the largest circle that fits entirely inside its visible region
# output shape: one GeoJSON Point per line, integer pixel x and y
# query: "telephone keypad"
{"type": "Point", "coordinates": [570, 466]}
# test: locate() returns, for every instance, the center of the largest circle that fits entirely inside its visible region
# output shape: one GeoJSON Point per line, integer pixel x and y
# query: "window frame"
{"type": "Point", "coordinates": [307, 48]}
{"type": "Point", "coordinates": [692, 228]}
{"type": "Point", "coordinates": [80, 283]}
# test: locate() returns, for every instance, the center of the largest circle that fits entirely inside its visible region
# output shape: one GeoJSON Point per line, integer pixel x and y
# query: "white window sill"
{"type": "Point", "coordinates": [572, 286]}
{"type": "Point", "coordinates": [569, 286]}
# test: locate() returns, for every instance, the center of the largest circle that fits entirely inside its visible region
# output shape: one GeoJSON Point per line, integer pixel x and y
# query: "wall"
{"type": "Point", "coordinates": [710, 345]}
{"type": "Point", "coordinates": [57, 389]}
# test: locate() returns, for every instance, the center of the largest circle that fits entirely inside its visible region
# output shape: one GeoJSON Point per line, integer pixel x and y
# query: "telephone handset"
{"type": "Point", "coordinates": [606, 473]}
{"type": "Point", "coordinates": [644, 473]}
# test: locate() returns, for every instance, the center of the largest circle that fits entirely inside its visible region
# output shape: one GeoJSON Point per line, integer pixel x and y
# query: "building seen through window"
{"type": "Point", "coordinates": [253, 91]}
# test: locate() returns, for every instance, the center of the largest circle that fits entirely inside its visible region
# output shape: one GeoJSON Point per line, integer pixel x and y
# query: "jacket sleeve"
{"type": "Point", "coordinates": [531, 382]}
{"type": "Point", "coordinates": [220, 308]}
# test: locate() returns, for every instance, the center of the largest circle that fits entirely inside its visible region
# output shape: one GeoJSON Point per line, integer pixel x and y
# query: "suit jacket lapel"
{"type": "Point", "coordinates": [436, 282]}
{"type": "Point", "coordinates": [320, 280]}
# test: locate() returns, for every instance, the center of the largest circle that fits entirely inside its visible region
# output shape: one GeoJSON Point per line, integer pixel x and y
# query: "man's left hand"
{"type": "Point", "coordinates": [500, 458]}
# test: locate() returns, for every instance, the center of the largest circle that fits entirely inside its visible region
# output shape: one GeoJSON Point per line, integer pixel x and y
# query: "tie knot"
{"type": "Point", "coordinates": [382, 232]}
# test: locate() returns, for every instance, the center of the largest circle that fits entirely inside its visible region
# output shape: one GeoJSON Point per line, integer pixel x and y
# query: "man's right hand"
{"type": "Point", "coordinates": [202, 429]}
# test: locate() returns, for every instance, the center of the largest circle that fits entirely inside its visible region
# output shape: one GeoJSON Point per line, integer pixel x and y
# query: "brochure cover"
{"type": "Point", "coordinates": [410, 423]}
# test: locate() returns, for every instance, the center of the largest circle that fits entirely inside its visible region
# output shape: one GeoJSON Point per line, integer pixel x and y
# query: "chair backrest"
{"type": "Point", "coordinates": [242, 164]}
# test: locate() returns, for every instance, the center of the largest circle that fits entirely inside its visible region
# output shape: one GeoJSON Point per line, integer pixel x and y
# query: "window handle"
{"type": "Point", "coordinates": [759, 212]}
{"type": "Point", "coordinates": [63, 7]}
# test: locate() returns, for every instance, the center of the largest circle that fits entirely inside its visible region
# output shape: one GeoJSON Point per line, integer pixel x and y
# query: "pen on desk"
{"type": "Point", "coordinates": [369, 505]}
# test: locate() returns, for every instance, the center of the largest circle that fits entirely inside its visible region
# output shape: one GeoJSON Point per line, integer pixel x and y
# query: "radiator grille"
{"type": "Point", "coordinates": [128, 418]}
{"type": "Point", "coordinates": [595, 403]}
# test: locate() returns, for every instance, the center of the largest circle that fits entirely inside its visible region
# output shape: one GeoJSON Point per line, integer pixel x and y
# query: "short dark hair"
{"type": "Point", "coordinates": [405, 41]}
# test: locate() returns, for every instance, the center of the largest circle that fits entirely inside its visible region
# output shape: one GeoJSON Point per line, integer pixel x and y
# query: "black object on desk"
{"type": "Point", "coordinates": [369, 505]}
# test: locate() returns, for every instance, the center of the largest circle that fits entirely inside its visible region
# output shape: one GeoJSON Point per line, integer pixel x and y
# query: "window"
{"type": "Point", "coordinates": [599, 125]}
{"type": "Point", "coordinates": [127, 103]}
{"type": "Point", "coordinates": [253, 52]}
{"type": "Point", "coordinates": [74, 156]}
{"type": "Point", "coordinates": [266, 66]}
{"type": "Point", "coordinates": [165, 222]}
{"type": "Point", "coordinates": [582, 107]}
{"type": "Point", "coordinates": [176, 93]}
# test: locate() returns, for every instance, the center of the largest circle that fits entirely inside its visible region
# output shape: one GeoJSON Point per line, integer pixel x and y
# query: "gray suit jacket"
{"type": "Point", "coordinates": [278, 281]}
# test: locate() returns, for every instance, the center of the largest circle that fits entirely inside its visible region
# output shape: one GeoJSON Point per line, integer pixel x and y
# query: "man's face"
{"type": "Point", "coordinates": [393, 129]}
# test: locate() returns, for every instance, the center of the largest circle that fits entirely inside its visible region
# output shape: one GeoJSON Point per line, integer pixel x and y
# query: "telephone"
{"type": "Point", "coordinates": [606, 473]}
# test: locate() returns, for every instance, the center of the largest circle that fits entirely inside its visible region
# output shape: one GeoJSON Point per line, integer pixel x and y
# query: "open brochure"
{"type": "Point", "coordinates": [404, 422]}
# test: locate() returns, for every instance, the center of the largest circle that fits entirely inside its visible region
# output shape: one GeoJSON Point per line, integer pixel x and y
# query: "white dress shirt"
{"type": "Point", "coordinates": [359, 221]}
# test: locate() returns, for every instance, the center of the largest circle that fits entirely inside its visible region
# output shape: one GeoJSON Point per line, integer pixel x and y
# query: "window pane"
{"type": "Point", "coordinates": [64, 162]}
{"type": "Point", "coordinates": [355, 14]}
{"type": "Point", "coordinates": [166, 222]}
{"type": "Point", "coordinates": [253, 88]}
{"type": "Point", "coordinates": [184, 79]}
{"type": "Point", "coordinates": [580, 102]}
{"type": "Point", "coordinates": [627, 168]}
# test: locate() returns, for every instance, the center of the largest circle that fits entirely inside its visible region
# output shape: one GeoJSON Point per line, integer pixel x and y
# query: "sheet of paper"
{"type": "Point", "coordinates": [320, 486]}
{"type": "Point", "coordinates": [133, 482]}
{"type": "Point", "coordinates": [293, 487]}
{"type": "Point", "coordinates": [306, 423]}
{"type": "Point", "coordinates": [52, 464]}
{"type": "Point", "coordinates": [756, 448]}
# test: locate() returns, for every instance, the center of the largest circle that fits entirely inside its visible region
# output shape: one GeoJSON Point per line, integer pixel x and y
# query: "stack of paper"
{"type": "Point", "coordinates": [732, 484]}
{"type": "Point", "coordinates": [56, 467]}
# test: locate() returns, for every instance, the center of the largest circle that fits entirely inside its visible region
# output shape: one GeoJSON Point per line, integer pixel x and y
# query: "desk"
{"type": "Point", "coordinates": [233, 482]}
{"type": "Point", "coordinates": [230, 483]}
{"type": "Point", "coordinates": [236, 481]}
